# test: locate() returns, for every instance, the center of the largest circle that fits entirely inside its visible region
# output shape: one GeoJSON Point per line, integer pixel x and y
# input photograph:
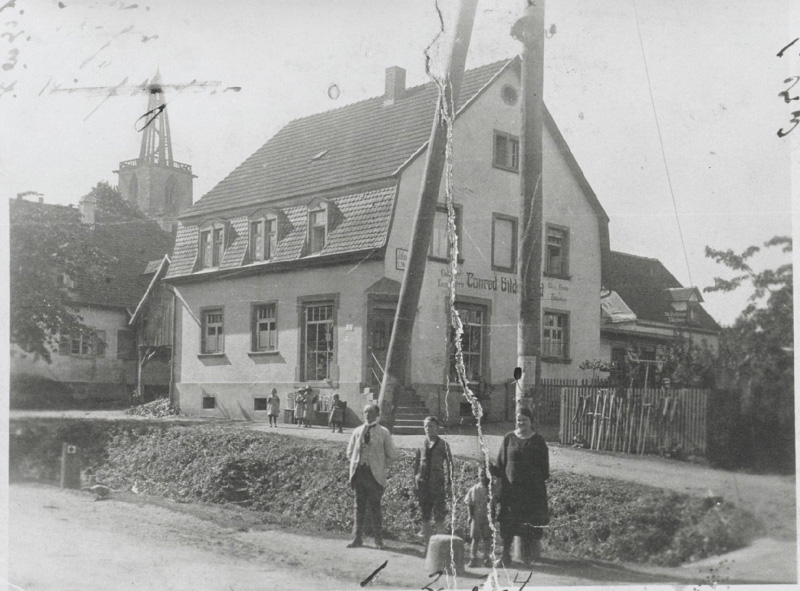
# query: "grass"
{"type": "Point", "coordinates": [303, 483]}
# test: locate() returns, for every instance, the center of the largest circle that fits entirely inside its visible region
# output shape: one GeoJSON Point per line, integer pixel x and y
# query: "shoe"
{"type": "Point", "coordinates": [473, 563]}
{"type": "Point", "coordinates": [379, 544]}
{"type": "Point", "coordinates": [340, 431]}
{"type": "Point", "coordinates": [504, 560]}
{"type": "Point", "coordinates": [357, 543]}
{"type": "Point", "coordinates": [487, 562]}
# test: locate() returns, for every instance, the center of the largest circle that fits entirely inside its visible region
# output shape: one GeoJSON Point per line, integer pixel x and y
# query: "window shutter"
{"type": "Point", "coordinates": [64, 345]}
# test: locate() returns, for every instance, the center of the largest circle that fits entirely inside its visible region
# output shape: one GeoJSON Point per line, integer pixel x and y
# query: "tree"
{"type": "Point", "coordinates": [51, 254]}
{"type": "Point", "coordinates": [756, 354]}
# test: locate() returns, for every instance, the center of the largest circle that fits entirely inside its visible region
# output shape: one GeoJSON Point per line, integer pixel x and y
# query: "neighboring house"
{"type": "Point", "coordinates": [646, 311]}
{"type": "Point", "coordinates": [289, 270]}
{"type": "Point", "coordinates": [102, 367]}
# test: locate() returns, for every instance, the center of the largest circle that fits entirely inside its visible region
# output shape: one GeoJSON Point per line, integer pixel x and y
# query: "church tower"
{"type": "Point", "coordinates": [159, 185]}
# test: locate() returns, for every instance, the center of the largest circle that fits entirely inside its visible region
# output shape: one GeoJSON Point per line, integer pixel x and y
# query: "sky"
{"type": "Point", "coordinates": [671, 108]}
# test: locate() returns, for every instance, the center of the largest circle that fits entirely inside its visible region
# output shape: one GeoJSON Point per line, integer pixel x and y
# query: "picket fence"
{"type": "Point", "coordinates": [630, 420]}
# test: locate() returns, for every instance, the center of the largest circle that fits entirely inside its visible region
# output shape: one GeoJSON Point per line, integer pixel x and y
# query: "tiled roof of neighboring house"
{"type": "Point", "coordinates": [357, 143]}
{"type": "Point", "coordinates": [133, 244]}
{"type": "Point", "coordinates": [361, 223]}
{"type": "Point", "coordinates": [643, 284]}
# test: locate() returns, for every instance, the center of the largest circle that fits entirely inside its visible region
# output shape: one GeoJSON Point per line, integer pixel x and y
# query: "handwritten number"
{"type": "Point", "coordinates": [12, 60]}
{"type": "Point", "coordinates": [780, 53]}
{"type": "Point", "coordinates": [785, 93]}
{"type": "Point", "coordinates": [795, 119]}
{"type": "Point", "coordinates": [438, 574]}
{"type": "Point", "coordinates": [374, 574]}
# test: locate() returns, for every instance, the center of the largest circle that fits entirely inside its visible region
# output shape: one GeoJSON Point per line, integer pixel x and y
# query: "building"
{"type": "Point", "coordinates": [288, 271]}
{"type": "Point", "coordinates": [158, 184]}
{"type": "Point", "coordinates": [102, 368]}
{"type": "Point", "coordinates": [646, 312]}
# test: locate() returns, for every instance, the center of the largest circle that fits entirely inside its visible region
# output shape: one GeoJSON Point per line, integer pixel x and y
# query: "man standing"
{"type": "Point", "coordinates": [432, 476]}
{"type": "Point", "coordinates": [370, 449]}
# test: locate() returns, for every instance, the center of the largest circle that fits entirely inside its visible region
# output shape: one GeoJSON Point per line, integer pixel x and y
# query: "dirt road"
{"type": "Point", "coordinates": [62, 539]}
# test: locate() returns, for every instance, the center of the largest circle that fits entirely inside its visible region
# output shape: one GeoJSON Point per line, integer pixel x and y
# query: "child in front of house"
{"type": "Point", "coordinates": [477, 500]}
{"type": "Point", "coordinates": [273, 408]}
{"type": "Point", "coordinates": [337, 414]}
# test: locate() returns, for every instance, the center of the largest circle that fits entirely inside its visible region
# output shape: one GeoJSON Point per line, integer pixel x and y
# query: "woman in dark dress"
{"type": "Point", "coordinates": [523, 466]}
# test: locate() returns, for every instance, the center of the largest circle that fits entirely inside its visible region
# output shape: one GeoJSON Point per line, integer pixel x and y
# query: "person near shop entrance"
{"type": "Point", "coordinates": [310, 410]}
{"type": "Point", "coordinates": [300, 407]}
{"type": "Point", "coordinates": [273, 408]}
{"type": "Point", "coordinates": [370, 450]}
{"type": "Point", "coordinates": [523, 466]}
{"type": "Point", "coordinates": [336, 417]}
{"type": "Point", "coordinates": [433, 468]}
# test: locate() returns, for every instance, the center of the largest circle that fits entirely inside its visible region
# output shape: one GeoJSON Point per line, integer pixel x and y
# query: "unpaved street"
{"type": "Point", "coordinates": [63, 540]}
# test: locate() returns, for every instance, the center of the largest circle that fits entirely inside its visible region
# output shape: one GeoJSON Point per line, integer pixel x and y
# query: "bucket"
{"type": "Point", "coordinates": [445, 553]}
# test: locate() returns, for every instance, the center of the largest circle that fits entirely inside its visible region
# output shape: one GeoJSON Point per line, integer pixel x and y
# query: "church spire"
{"type": "Point", "coordinates": [156, 139]}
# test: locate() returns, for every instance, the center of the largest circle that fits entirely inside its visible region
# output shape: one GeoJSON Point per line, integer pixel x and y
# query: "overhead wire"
{"type": "Point", "coordinates": [661, 142]}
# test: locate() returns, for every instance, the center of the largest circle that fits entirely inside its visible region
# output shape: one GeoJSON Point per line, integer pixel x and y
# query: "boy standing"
{"type": "Point", "coordinates": [477, 500]}
{"type": "Point", "coordinates": [432, 477]}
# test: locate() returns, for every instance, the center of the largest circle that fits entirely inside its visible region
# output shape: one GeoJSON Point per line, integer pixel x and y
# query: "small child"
{"type": "Point", "coordinates": [477, 500]}
{"type": "Point", "coordinates": [273, 407]}
{"type": "Point", "coordinates": [336, 417]}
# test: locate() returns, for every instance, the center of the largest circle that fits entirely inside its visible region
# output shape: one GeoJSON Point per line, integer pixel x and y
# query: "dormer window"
{"type": "Point", "coordinates": [212, 244]}
{"type": "Point", "coordinates": [263, 236]}
{"type": "Point", "coordinates": [317, 230]}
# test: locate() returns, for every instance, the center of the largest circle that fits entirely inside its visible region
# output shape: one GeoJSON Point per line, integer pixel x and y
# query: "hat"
{"type": "Point", "coordinates": [304, 388]}
{"type": "Point", "coordinates": [525, 412]}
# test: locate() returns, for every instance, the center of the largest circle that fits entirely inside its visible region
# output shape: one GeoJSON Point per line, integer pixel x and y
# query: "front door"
{"type": "Point", "coordinates": [381, 320]}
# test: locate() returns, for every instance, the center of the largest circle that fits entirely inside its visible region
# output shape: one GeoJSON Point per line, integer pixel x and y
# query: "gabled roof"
{"type": "Point", "coordinates": [645, 285]}
{"type": "Point", "coordinates": [361, 224]}
{"type": "Point", "coordinates": [357, 143]}
{"type": "Point", "coordinates": [133, 244]}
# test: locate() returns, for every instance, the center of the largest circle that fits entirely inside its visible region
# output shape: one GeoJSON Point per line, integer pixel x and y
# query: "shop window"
{"type": "Point", "coordinates": [504, 243]}
{"type": "Point", "coordinates": [555, 335]}
{"type": "Point", "coordinates": [212, 340]}
{"type": "Point", "coordinates": [473, 320]}
{"type": "Point", "coordinates": [209, 402]}
{"type": "Point", "coordinates": [506, 151]}
{"type": "Point", "coordinates": [260, 403]}
{"type": "Point", "coordinates": [318, 341]}
{"type": "Point", "coordinates": [265, 327]}
{"type": "Point", "coordinates": [557, 252]}
{"type": "Point", "coordinates": [440, 241]}
{"type": "Point", "coordinates": [170, 195]}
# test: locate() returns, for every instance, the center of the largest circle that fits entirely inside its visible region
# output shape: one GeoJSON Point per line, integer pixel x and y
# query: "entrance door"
{"type": "Point", "coordinates": [380, 325]}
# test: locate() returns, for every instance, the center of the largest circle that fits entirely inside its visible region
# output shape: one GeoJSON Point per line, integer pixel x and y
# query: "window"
{"type": "Point", "coordinates": [318, 341]}
{"type": "Point", "coordinates": [81, 344]}
{"type": "Point", "coordinates": [440, 243]}
{"type": "Point", "coordinates": [213, 340]}
{"type": "Point", "coordinates": [473, 320]}
{"type": "Point", "coordinates": [209, 402]}
{"type": "Point", "coordinates": [170, 195]}
{"type": "Point", "coordinates": [126, 344]}
{"type": "Point", "coordinates": [265, 333]}
{"type": "Point", "coordinates": [506, 151]}
{"type": "Point", "coordinates": [317, 229]}
{"type": "Point", "coordinates": [557, 252]}
{"type": "Point", "coordinates": [555, 335]}
{"type": "Point", "coordinates": [504, 243]}
{"type": "Point", "coordinates": [212, 244]}
{"type": "Point", "coordinates": [260, 403]}
{"type": "Point", "coordinates": [205, 249]}
{"type": "Point", "coordinates": [263, 239]}
{"type": "Point", "coordinates": [100, 343]}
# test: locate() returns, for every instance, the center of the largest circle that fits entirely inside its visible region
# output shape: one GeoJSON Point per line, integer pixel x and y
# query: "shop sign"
{"type": "Point", "coordinates": [400, 258]}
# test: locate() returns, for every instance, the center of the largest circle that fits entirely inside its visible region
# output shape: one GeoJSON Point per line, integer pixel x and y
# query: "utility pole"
{"type": "Point", "coordinates": [400, 343]}
{"type": "Point", "coordinates": [530, 31]}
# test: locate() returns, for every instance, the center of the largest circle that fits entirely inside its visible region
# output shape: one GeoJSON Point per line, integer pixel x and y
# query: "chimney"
{"type": "Point", "coordinates": [88, 209]}
{"type": "Point", "coordinates": [395, 85]}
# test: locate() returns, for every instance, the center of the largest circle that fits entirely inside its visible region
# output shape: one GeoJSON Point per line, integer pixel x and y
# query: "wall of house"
{"type": "Point", "coordinates": [82, 376]}
{"type": "Point", "coordinates": [237, 376]}
{"type": "Point", "coordinates": [483, 190]}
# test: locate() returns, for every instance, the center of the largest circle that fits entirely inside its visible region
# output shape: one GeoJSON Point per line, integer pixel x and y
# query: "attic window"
{"type": "Point", "coordinates": [212, 244]}
{"type": "Point", "coordinates": [317, 230]}
{"type": "Point", "coordinates": [509, 95]}
{"type": "Point", "coordinates": [263, 237]}
{"type": "Point", "coordinates": [320, 155]}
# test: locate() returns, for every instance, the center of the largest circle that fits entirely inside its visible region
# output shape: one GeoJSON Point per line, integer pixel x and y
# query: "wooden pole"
{"type": "Point", "coordinates": [530, 31]}
{"type": "Point", "coordinates": [400, 342]}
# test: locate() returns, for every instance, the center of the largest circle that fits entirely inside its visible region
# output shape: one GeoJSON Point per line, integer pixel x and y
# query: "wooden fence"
{"type": "Point", "coordinates": [632, 420]}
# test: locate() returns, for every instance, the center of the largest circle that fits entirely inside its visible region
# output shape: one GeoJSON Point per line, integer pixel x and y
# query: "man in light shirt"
{"type": "Point", "coordinates": [370, 450]}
